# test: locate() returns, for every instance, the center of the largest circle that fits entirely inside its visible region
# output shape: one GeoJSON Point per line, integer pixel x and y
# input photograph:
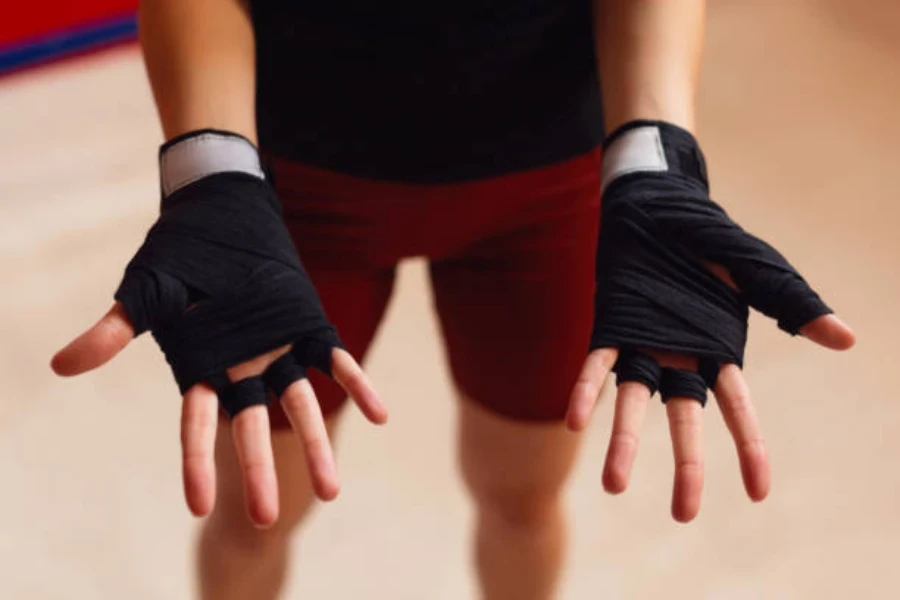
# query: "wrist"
{"type": "Point", "coordinates": [199, 154]}
{"type": "Point", "coordinates": [677, 109]}
{"type": "Point", "coordinates": [652, 146]}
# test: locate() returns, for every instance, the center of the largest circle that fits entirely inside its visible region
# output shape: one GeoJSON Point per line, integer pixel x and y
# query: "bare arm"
{"type": "Point", "coordinates": [200, 58]}
{"type": "Point", "coordinates": [649, 57]}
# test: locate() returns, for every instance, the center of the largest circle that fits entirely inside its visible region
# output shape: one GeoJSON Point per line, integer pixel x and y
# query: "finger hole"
{"type": "Point", "coordinates": [257, 365]}
{"type": "Point", "coordinates": [634, 365]}
{"type": "Point", "coordinates": [241, 395]}
{"type": "Point", "coordinates": [282, 373]}
{"type": "Point", "coordinates": [723, 274]}
{"type": "Point", "coordinates": [681, 383]}
{"type": "Point", "coordinates": [317, 350]}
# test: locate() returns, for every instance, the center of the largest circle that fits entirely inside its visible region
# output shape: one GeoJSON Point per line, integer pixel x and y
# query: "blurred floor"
{"type": "Point", "coordinates": [799, 120]}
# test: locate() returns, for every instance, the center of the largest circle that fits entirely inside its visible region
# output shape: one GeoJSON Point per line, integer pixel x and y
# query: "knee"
{"type": "Point", "coordinates": [240, 538]}
{"type": "Point", "coordinates": [520, 507]}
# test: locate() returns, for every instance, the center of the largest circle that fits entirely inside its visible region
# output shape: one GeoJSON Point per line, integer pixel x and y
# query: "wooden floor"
{"type": "Point", "coordinates": [800, 122]}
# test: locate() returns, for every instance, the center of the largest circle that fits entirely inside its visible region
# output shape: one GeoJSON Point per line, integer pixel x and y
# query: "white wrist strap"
{"type": "Point", "coordinates": [206, 154]}
{"type": "Point", "coordinates": [638, 149]}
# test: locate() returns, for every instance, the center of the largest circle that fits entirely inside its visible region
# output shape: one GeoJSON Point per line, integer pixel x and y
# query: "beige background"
{"type": "Point", "coordinates": [799, 121]}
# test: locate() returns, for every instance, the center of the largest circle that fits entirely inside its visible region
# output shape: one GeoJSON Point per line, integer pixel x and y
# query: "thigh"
{"type": "Point", "coordinates": [513, 468]}
{"type": "Point", "coordinates": [516, 309]}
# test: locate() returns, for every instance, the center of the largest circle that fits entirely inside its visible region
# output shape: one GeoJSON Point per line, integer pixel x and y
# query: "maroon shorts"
{"type": "Point", "coordinates": [511, 264]}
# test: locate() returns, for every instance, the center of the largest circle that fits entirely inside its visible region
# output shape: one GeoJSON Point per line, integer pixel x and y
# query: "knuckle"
{"type": "Point", "coordinates": [197, 422]}
{"type": "Point", "coordinates": [625, 440]}
{"type": "Point", "coordinates": [738, 401]}
{"type": "Point", "coordinates": [689, 467]}
{"type": "Point", "coordinates": [197, 431]}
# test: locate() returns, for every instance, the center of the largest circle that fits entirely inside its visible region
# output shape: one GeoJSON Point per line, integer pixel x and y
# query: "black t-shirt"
{"type": "Point", "coordinates": [430, 92]}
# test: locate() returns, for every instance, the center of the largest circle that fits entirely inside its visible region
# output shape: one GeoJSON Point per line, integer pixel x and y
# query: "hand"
{"type": "Point", "coordinates": [219, 284]}
{"type": "Point", "coordinates": [675, 279]}
{"type": "Point", "coordinates": [250, 428]}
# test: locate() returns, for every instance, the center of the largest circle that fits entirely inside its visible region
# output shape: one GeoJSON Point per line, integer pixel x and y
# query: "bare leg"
{"type": "Point", "coordinates": [236, 560]}
{"type": "Point", "coordinates": [515, 473]}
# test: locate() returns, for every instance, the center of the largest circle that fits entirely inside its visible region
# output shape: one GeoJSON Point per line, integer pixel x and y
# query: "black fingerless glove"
{"type": "Point", "coordinates": [217, 280]}
{"type": "Point", "coordinates": [658, 228]}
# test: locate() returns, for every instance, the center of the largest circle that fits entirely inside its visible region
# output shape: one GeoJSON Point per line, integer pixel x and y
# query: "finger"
{"type": "Point", "coordinates": [356, 383]}
{"type": "Point", "coordinates": [733, 398]}
{"type": "Point", "coordinates": [302, 408]}
{"type": "Point", "coordinates": [588, 385]}
{"type": "Point", "coordinates": [95, 346]}
{"type": "Point", "coordinates": [686, 429]}
{"type": "Point", "coordinates": [829, 331]}
{"type": "Point", "coordinates": [631, 407]}
{"type": "Point", "coordinates": [199, 417]}
{"type": "Point", "coordinates": [252, 439]}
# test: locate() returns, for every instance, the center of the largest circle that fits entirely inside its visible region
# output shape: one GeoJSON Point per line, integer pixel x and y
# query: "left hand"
{"type": "Point", "coordinates": [675, 276]}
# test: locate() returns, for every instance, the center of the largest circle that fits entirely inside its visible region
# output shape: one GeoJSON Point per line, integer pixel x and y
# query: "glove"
{"type": "Point", "coordinates": [659, 229]}
{"type": "Point", "coordinates": [218, 281]}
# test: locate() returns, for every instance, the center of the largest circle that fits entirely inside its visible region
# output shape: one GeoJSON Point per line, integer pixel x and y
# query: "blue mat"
{"type": "Point", "coordinates": [59, 44]}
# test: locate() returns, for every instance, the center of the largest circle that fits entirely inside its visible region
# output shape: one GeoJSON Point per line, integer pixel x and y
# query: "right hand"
{"type": "Point", "coordinates": [675, 280]}
{"type": "Point", "coordinates": [220, 286]}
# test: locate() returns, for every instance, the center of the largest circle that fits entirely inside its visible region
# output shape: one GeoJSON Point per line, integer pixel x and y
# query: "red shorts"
{"type": "Point", "coordinates": [511, 263]}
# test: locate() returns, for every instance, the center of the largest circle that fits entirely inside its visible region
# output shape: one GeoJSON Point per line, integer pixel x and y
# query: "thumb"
{"type": "Point", "coordinates": [95, 346]}
{"type": "Point", "coordinates": [829, 331]}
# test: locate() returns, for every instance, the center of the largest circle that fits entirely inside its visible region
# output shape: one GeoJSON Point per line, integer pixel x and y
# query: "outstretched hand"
{"type": "Point", "coordinates": [676, 277]}
{"type": "Point", "coordinates": [250, 428]}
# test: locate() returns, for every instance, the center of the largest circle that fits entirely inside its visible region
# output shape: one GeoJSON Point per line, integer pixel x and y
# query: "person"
{"type": "Point", "coordinates": [469, 132]}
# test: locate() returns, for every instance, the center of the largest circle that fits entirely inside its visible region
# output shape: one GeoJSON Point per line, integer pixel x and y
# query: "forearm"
{"type": "Point", "coordinates": [200, 58]}
{"type": "Point", "coordinates": [648, 53]}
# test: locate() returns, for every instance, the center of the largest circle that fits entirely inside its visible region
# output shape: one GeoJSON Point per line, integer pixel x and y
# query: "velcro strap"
{"type": "Point", "coordinates": [652, 146]}
{"type": "Point", "coordinates": [190, 158]}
